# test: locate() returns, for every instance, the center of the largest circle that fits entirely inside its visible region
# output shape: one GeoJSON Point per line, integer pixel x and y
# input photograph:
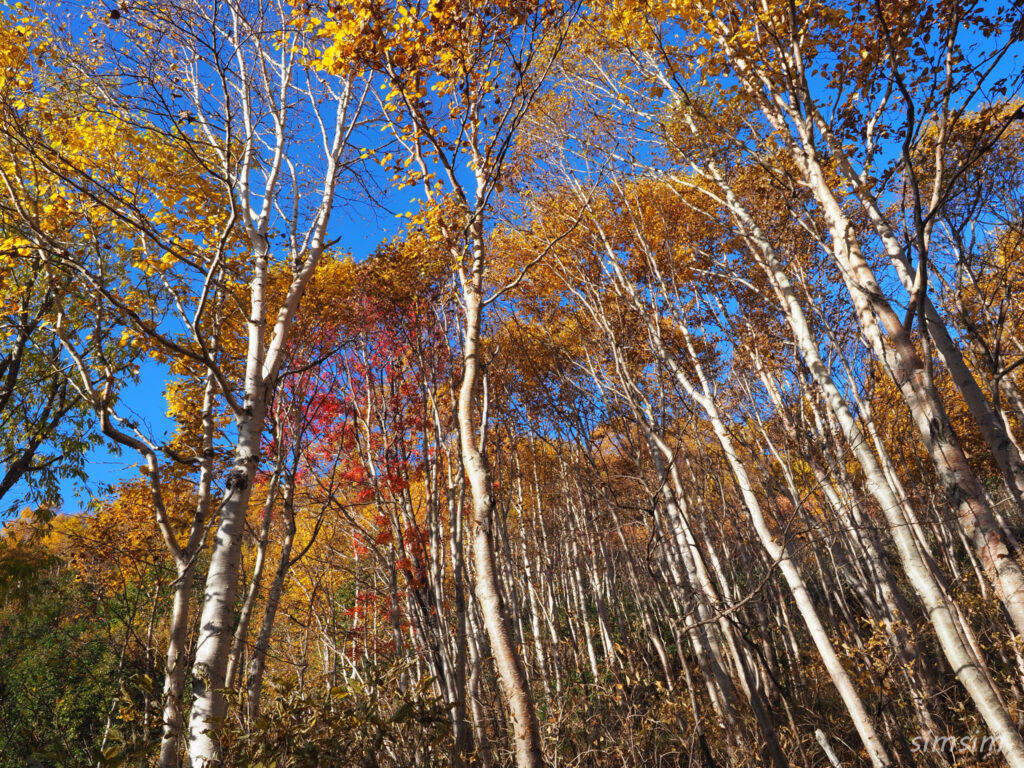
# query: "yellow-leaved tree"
{"type": "Point", "coordinates": [168, 179]}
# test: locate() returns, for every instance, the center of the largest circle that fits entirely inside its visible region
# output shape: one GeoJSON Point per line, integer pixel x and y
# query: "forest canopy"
{"type": "Point", "coordinates": [511, 382]}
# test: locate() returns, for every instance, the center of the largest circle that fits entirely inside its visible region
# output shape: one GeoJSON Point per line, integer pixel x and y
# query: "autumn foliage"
{"type": "Point", "coordinates": [539, 383]}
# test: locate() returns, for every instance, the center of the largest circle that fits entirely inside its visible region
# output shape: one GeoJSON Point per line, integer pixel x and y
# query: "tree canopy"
{"type": "Point", "coordinates": [672, 415]}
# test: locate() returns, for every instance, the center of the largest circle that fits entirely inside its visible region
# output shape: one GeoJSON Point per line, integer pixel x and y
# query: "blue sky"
{"type": "Point", "coordinates": [143, 401]}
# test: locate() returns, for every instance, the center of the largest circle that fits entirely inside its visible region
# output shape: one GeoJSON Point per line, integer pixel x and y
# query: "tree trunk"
{"type": "Point", "coordinates": [919, 574]}
{"type": "Point", "coordinates": [515, 687]}
{"type": "Point", "coordinates": [215, 625]}
{"type": "Point", "coordinates": [174, 679]}
{"type": "Point", "coordinates": [258, 663]}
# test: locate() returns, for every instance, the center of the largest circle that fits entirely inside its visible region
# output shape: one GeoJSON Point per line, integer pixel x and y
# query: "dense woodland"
{"type": "Point", "coordinates": [675, 419]}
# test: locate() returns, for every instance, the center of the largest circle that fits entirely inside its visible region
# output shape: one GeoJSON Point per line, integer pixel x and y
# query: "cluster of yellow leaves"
{"type": "Point", "coordinates": [411, 266]}
{"type": "Point", "coordinates": [440, 61]}
{"type": "Point", "coordinates": [438, 38]}
{"type": "Point", "coordinates": [82, 172]}
{"type": "Point", "coordinates": [20, 45]}
{"type": "Point", "coordinates": [113, 547]}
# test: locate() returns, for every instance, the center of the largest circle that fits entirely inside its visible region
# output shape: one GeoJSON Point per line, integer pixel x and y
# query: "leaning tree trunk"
{"type": "Point", "coordinates": [919, 574]}
{"type": "Point", "coordinates": [778, 551]}
{"type": "Point", "coordinates": [905, 364]}
{"type": "Point", "coordinates": [511, 673]}
{"type": "Point", "coordinates": [908, 370]}
{"type": "Point", "coordinates": [258, 663]}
